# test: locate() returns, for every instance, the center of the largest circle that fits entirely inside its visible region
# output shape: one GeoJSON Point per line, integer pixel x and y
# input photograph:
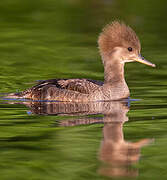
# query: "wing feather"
{"type": "Point", "coordinates": [77, 87]}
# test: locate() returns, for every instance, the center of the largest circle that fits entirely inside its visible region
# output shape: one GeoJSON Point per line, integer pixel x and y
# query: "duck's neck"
{"type": "Point", "coordinates": [113, 72]}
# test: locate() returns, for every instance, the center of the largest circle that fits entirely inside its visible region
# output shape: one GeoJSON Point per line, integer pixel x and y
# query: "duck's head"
{"type": "Point", "coordinates": [119, 42]}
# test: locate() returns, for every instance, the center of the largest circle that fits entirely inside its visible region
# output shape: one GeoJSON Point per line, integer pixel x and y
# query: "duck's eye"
{"type": "Point", "coordinates": [129, 49]}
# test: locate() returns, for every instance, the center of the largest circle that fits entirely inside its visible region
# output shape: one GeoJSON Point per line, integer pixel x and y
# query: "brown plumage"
{"type": "Point", "coordinates": [117, 35]}
{"type": "Point", "coordinates": [118, 44]}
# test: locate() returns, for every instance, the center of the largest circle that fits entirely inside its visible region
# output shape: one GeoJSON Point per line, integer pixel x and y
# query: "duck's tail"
{"type": "Point", "coordinates": [13, 96]}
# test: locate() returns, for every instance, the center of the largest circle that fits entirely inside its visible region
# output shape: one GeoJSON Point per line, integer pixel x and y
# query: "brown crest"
{"type": "Point", "coordinates": [117, 34]}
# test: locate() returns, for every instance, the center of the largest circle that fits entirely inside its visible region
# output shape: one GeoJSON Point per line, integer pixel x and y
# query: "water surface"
{"type": "Point", "coordinates": [57, 39]}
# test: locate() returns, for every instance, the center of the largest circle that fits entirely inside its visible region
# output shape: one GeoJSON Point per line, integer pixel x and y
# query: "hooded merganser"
{"type": "Point", "coordinates": [118, 44]}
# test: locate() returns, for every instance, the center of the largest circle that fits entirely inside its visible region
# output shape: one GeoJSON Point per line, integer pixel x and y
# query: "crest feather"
{"type": "Point", "coordinates": [117, 34]}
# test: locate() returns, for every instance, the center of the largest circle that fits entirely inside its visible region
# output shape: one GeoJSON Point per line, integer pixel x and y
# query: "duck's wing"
{"type": "Point", "coordinates": [60, 89]}
{"type": "Point", "coordinates": [85, 86]}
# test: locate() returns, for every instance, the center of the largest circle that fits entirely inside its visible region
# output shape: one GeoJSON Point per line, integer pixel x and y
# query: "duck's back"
{"type": "Point", "coordinates": [61, 89]}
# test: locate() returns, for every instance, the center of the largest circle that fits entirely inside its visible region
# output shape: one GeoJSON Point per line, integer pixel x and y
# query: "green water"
{"type": "Point", "coordinates": [58, 39]}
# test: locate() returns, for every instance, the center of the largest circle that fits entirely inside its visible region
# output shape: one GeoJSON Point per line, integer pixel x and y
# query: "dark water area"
{"type": "Point", "coordinates": [58, 39]}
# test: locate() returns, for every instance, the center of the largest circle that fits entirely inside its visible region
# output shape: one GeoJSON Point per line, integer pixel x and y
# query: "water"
{"type": "Point", "coordinates": [57, 39]}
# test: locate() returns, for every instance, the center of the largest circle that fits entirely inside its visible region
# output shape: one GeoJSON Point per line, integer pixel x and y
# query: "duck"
{"type": "Point", "coordinates": [118, 44]}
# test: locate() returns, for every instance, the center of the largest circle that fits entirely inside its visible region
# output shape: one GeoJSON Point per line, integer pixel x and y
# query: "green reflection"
{"type": "Point", "coordinates": [49, 39]}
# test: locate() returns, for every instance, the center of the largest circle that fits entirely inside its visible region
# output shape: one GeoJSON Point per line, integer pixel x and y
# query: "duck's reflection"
{"type": "Point", "coordinates": [117, 154]}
